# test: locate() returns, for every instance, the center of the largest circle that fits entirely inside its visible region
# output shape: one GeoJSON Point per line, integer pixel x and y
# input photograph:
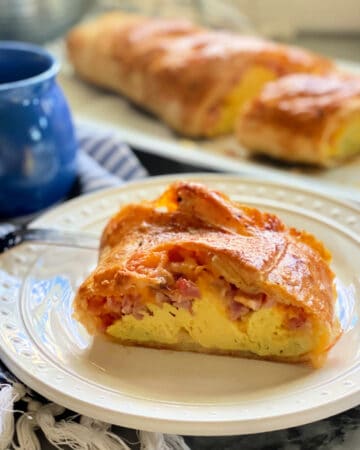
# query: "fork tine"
{"type": "Point", "coordinates": [10, 240]}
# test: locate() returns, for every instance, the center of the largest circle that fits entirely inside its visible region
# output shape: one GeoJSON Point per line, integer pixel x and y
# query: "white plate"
{"type": "Point", "coordinates": [103, 109]}
{"type": "Point", "coordinates": [168, 391]}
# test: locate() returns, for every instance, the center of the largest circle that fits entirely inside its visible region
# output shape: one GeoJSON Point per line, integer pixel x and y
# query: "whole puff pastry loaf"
{"type": "Point", "coordinates": [194, 271]}
{"type": "Point", "coordinates": [193, 79]}
{"type": "Point", "coordinates": [304, 118]}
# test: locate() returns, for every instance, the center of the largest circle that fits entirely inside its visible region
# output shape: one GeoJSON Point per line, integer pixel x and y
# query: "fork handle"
{"type": "Point", "coordinates": [49, 237]}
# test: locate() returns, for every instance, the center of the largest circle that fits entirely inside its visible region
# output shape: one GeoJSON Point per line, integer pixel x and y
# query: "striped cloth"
{"type": "Point", "coordinates": [105, 161]}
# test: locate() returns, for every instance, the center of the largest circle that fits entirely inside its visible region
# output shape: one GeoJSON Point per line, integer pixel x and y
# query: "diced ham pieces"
{"type": "Point", "coordinates": [107, 320]}
{"type": "Point", "coordinates": [185, 304]}
{"type": "Point", "coordinates": [254, 303]}
{"type": "Point", "coordinates": [237, 310]}
{"type": "Point", "coordinates": [127, 305]}
{"type": "Point", "coordinates": [296, 322]}
{"type": "Point", "coordinates": [187, 289]}
{"type": "Point", "coordinates": [96, 304]}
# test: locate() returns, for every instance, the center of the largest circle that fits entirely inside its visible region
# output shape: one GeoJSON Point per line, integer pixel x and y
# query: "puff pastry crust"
{"type": "Point", "coordinates": [195, 80]}
{"type": "Point", "coordinates": [193, 270]}
{"type": "Point", "coordinates": [304, 118]}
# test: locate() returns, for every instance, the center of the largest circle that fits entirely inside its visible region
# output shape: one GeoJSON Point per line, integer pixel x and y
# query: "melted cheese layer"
{"type": "Point", "coordinates": [250, 85]}
{"type": "Point", "coordinates": [260, 332]}
{"type": "Point", "coordinates": [347, 138]}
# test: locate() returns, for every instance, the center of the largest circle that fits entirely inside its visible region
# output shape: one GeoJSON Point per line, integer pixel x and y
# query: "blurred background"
{"type": "Point", "coordinates": [331, 27]}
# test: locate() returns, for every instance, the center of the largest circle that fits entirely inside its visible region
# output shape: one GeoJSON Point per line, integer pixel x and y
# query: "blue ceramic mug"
{"type": "Point", "coordinates": [37, 139]}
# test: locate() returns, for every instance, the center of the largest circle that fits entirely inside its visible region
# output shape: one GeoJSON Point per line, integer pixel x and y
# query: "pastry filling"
{"type": "Point", "coordinates": [249, 87]}
{"type": "Point", "coordinates": [190, 303]}
{"type": "Point", "coordinates": [346, 140]}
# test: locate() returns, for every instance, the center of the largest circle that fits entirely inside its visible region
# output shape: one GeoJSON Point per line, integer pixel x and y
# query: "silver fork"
{"type": "Point", "coordinates": [48, 236]}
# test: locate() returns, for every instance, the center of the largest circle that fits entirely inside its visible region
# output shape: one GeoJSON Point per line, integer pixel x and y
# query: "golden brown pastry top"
{"type": "Point", "coordinates": [303, 102]}
{"type": "Point", "coordinates": [253, 250]}
{"type": "Point", "coordinates": [188, 59]}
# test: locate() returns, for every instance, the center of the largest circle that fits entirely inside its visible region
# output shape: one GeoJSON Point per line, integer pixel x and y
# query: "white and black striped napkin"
{"type": "Point", "coordinates": [105, 161]}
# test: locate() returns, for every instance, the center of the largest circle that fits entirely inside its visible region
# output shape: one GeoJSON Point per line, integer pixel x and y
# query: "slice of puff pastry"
{"type": "Point", "coordinates": [193, 79]}
{"type": "Point", "coordinates": [305, 119]}
{"type": "Point", "coordinates": [195, 271]}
